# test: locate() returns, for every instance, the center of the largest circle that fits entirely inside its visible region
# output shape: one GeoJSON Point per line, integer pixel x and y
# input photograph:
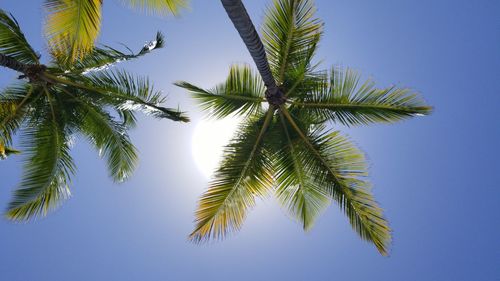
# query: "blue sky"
{"type": "Point", "coordinates": [437, 177]}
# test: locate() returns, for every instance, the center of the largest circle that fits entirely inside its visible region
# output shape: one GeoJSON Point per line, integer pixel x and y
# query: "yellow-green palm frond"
{"type": "Point", "coordinates": [158, 7]}
{"type": "Point", "coordinates": [296, 188]}
{"type": "Point", "coordinates": [244, 174]}
{"type": "Point", "coordinates": [339, 169]}
{"type": "Point", "coordinates": [72, 26]}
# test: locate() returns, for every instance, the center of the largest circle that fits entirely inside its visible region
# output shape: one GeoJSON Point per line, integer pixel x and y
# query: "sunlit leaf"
{"type": "Point", "coordinates": [72, 26]}
{"type": "Point", "coordinates": [243, 174]}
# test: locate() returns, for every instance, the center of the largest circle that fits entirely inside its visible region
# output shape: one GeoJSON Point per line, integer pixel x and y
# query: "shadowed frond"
{"type": "Point", "coordinates": [12, 40]}
{"type": "Point", "coordinates": [349, 103]}
{"type": "Point", "coordinates": [241, 94]}
{"type": "Point", "coordinates": [290, 35]}
{"type": "Point", "coordinates": [13, 106]}
{"type": "Point", "coordinates": [243, 174]}
{"type": "Point", "coordinates": [47, 171]}
{"type": "Point", "coordinates": [111, 140]}
{"type": "Point", "coordinates": [339, 168]}
{"type": "Point", "coordinates": [158, 7]}
{"type": "Point", "coordinates": [72, 27]}
{"type": "Point", "coordinates": [131, 94]}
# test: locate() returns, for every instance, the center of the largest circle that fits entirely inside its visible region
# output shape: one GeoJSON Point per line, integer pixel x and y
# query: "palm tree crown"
{"type": "Point", "coordinates": [53, 103]}
{"type": "Point", "coordinates": [285, 145]}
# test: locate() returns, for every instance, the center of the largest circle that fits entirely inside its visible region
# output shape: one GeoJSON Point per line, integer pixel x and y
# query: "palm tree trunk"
{"type": "Point", "coordinates": [239, 16]}
{"type": "Point", "coordinates": [12, 63]}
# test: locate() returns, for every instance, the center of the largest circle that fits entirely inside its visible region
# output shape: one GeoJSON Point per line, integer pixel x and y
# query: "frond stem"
{"type": "Point", "coordinates": [334, 106]}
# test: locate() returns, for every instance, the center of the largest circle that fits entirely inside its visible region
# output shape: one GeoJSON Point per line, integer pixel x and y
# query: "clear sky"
{"type": "Point", "coordinates": [437, 177]}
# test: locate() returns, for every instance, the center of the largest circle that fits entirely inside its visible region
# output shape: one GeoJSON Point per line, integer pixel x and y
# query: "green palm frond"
{"type": "Point", "coordinates": [14, 102]}
{"type": "Point", "coordinates": [290, 35]}
{"type": "Point", "coordinates": [243, 81]}
{"type": "Point", "coordinates": [349, 103]}
{"type": "Point", "coordinates": [130, 94]}
{"type": "Point", "coordinates": [102, 58]}
{"type": "Point", "coordinates": [72, 27]}
{"type": "Point", "coordinates": [111, 140]}
{"type": "Point", "coordinates": [158, 7]}
{"type": "Point", "coordinates": [242, 94]}
{"type": "Point", "coordinates": [339, 168]}
{"type": "Point", "coordinates": [296, 189]}
{"type": "Point", "coordinates": [47, 172]}
{"type": "Point", "coordinates": [12, 40]}
{"type": "Point", "coordinates": [303, 81]}
{"type": "Point", "coordinates": [243, 174]}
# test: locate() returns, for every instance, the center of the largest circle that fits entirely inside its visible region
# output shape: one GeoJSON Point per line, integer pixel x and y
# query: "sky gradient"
{"type": "Point", "coordinates": [437, 177]}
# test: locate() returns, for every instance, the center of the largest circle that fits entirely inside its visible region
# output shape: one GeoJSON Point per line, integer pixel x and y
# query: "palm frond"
{"type": "Point", "coordinates": [349, 103]}
{"type": "Point", "coordinates": [339, 168]}
{"type": "Point", "coordinates": [14, 104]}
{"type": "Point", "coordinates": [158, 7]}
{"type": "Point", "coordinates": [103, 58]}
{"type": "Point", "coordinates": [47, 172]}
{"type": "Point", "coordinates": [290, 35]}
{"type": "Point", "coordinates": [86, 113]}
{"type": "Point", "coordinates": [7, 151]}
{"type": "Point", "coordinates": [110, 139]}
{"type": "Point", "coordinates": [301, 81]}
{"type": "Point", "coordinates": [12, 40]}
{"type": "Point", "coordinates": [296, 189]}
{"type": "Point", "coordinates": [131, 94]}
{"type": "Point", "coordinates": [72, 27]}
{"type": "Point", "coordinates": [242, 94]}
{"type": "Point", "coordinates": [243, 174]}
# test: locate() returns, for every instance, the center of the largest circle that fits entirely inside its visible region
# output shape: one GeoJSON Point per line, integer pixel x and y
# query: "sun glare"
{"type": "Point", "coordinates": [208, 141]}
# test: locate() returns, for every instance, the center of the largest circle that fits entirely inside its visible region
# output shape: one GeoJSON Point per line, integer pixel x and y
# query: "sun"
{"type": "Point", "coordinates": [208, 141]}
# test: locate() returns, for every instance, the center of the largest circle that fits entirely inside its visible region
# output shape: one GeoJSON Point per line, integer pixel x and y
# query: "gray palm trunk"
{"type": "Point", "coordinates": [243, 24]}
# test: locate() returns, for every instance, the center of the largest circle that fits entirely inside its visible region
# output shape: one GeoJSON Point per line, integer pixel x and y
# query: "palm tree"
{"type": "Point", "coordinates": [53, 103]}
{"type": "Point", "coordinates": [72, 26]}
{"type": "Point", "coordinates": [284, 145]}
